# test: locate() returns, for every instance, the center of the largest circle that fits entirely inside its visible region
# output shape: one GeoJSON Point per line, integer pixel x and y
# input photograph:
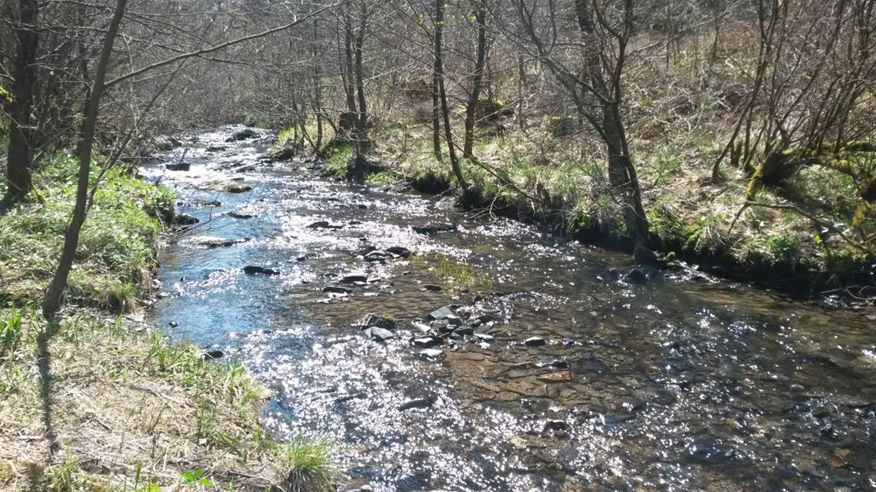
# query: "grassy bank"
{"type": "Point", "coordinates": [534, 174]}
{"type": "Point", "coordinates": [101, 402]}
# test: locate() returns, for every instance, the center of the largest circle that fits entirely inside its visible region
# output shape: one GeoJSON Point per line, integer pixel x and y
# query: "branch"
{"type": "Point", "coordinates": [122, 78]}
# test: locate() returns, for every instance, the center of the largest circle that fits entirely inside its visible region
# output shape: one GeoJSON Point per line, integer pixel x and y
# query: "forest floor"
{"type": "Point", "coordinates": [101, 402]}
{"type": "Point", "coordinates": [798, 238]}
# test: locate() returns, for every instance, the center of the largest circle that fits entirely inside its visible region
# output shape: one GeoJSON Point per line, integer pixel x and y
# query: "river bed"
{"type": "Point", "coordinates": [567, 372]}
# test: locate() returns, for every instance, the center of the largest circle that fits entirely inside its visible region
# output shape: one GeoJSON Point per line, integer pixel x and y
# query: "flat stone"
{"type": "Point", "coordinates": [372, 319]}
{"type": "Point", "coordinates": [556, 377]}
{"type": "Point", "coordinates": [433, 228]}
{"type": "Point", "coordinates": [555, 425]}
{"type": "Point", "coordinates": [484, 337]}
{"type": "Point", "coordinates": [399, 251]}
{"type": "Point", "coordinates": [377, 256]}
{"type": "Point", "coordinates": [180, 166]}
{"type": "Point", "coordinates": [379, 334]}
{"type": "Point", "coordinates": [441, 313]}
{"type": "Point", "coordinates": [464, 330]}
{"type": "Point", "coordinates": [433, 288]}
{"type": "Point", "coordinates": [320, 224]}
{"type": "Point", "coordinates": [555, 363]}
{"type": "Point", "coordinates": [427, 342]}
{"type": "Point", "coordinates": [352, 278]}
{"type": "Point", "coordinates": [418, 403]}
{"type": "Point", "coordinates": [534, 342]}
{"type": "Point", "coordinates": [332, 289]}
{"type": "Point", "coordinates": [237, 188]}
{"type": "Point", "coordinates": [257, 270]}
{"type": "Point", "coordinates": [431, 353]}
{"type": "Point", "coordinates": [240, 215]}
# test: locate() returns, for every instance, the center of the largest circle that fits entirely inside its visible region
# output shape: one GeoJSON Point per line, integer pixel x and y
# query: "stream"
{"type": "Point", "coordinates": [558, 366]}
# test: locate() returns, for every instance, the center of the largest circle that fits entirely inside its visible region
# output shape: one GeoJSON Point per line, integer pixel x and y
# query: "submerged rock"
{"type": "Point", "coordinates": [433, 288]}
{"type": "Point", "coordinates": [376, 256]}
{"type": "Point", "coordinates": [218, 242]}
{"type": "Point", "coordinates": [257, 270]}
{"type": "Point", "coordinates": [431, 353]}
{"type": "Point", "coordinates": [216, 148]}
{"type": "Point", "coordinates": [442, 313]}
{"type": "Point", "coordinates": [240, 215]}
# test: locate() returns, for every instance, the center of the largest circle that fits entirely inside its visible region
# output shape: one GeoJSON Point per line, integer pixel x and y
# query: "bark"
{"type": "Point", "coordinates": [436, 111]}
{"type": "Point", "coordinates": [53, 296]}
{"type": "Point", "coordinates": [477, 77]}
{"type": "Point", "coordinates": [445, 111]}
{"type": "Point", "coordinates": [21, 134]}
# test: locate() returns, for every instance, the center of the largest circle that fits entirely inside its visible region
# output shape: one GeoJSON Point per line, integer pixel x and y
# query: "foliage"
{"type": "Point", "coordinates": [308, 463]}
{"type": "Point", "coordinates": [116, 253]}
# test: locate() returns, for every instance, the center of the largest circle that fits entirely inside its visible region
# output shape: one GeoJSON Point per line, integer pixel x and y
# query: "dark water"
{"type": "Point", "coordinates": [682, 383]}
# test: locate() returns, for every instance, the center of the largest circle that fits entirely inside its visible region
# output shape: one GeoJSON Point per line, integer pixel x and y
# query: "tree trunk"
{"type": "Point", "coordinates": [436, 112]}
{"type": "Point", "coordinates": [20, 151]}
{"type": "Point", "coordinates": [52, 299]}
{"type": "Point", "coordinates": [445, 111]}
{"type": "Point", "coordinates": [475, 94]}
{"type": "Point", "coordinates": [317, 91]}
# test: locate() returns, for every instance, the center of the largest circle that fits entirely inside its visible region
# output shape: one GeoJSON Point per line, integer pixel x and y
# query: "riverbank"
{"type": "Point", "coordinates": [102, 401]}
{"type": "Point", "coordinates": [531, 175]}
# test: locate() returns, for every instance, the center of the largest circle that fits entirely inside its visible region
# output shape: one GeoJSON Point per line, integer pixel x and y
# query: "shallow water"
{"type": "Point", "coordinates": [683, 382]}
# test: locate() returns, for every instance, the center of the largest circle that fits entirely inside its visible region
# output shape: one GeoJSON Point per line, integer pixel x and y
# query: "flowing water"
{"type": "Point", "coordinates": [679, 382]}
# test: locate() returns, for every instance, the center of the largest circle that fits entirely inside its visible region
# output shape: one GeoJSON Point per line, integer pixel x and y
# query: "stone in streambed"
{"type": "Point", "coordinates": [372, 319]}
{"type": "Point", "coordinates": [180, 166]}
{"type": "Point", "coordinates": [213, 354]}
{"type": "Point", "coordinates": [337, 290]}
{"type": "Point", "coordinates": [425, 402]}
{"type": "Point", "coordinates": [183, 219]}
{"type": "Point", "coordinates": [427, 342]}
{"type": "Point", "coordinates": [244, 134]}
{"type": "Point", "coordinates": [399, 251]}
{"type": "Point", "coordinates": [534, 342]}
{"type": "Point", "coordinates": [236, 188]}
{"type": "Point", "coordinates": [353, 278]}
{"type": "Point", "coordinates": [379, 334]}
{"type": "Point", "coordinates": [258, 270]}
{"type": "Point", "coordinates": [431, 353]}
{"type": "Point", "coordinates": [434, 228]}
{"type": "Point", "coordinates": [432, 288]}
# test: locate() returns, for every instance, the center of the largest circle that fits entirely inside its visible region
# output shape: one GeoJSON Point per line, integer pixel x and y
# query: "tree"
{"type": "Point", "coordinates": [471, 107]}
{"type": "Point", "coordinates": [589, 61]}
{"type": "Point", "coordinates": [21, 134]}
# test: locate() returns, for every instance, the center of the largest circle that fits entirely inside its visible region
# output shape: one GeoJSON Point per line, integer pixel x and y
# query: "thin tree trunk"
{"type": "Point", "coordinates": [475, 94]}
{"type": "Point", "coordinates": [52, 299]}
{"type": "Point", "coordinates": [20, 152]}
{"type": "Point", "coordinates": [436, 112]}
{"type": "Point", "coordinates": [445, 111]}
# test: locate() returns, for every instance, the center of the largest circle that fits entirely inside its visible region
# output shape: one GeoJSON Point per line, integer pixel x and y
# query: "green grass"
{"type": "Point", "coordinates": [338, 160]}
{"type": "Point", "coordinates": [381, 178]}
{"type": "Point", "coordinates": [116, 254]}
{"type": "Point", "coordinates": [308, 463]}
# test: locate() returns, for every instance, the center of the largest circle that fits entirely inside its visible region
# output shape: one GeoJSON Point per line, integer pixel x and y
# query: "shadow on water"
{"type": "Point", "coordinates": [573, 374]}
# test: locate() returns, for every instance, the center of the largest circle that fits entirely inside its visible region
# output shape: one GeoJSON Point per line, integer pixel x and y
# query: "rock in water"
{"type": "Point", "coordinates": [237, 188]}
{"type": "Point", "coordinates": [244, 134]}
{"type": "Point", "coordinates": [418, 403]}
{"type": "Point", "coordinates": [434, 228]}
{"type": "Point", "coordinates": [442, 313]}
{"type": "Point", "coordinates": [352, 278]}
{"type": "Point", "coordinates": [534, 342]}
{"type": "Point", "coordinates": [183, 219]}
{"type": "Point", "coordinates": [635, 276]}
{"type": "Point", "coordinates": [180, 166]}
{"type": "Point", "coordinates": [379, 334]}
{"type": "Point", "coordinates": [257, 270]}
{"type": "Point", "coordinates": [427, 342]}
{"type": "Point", "coordinates": [337, 290]}
{"type": "Point", "coordinates": [399, 251]}
{"type": "Point", "coordinates": [213, 354]}
{"type": "Point", "coordinates": [372, 319]}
